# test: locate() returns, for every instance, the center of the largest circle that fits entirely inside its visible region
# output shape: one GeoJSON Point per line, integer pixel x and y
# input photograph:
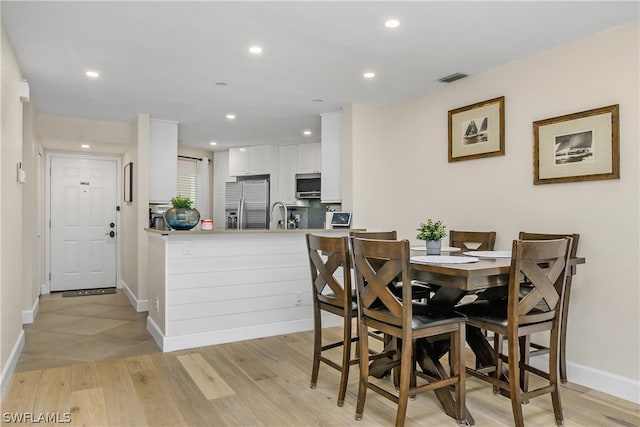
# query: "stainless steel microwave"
{"type": "Point", "coordinates": [308, 186]}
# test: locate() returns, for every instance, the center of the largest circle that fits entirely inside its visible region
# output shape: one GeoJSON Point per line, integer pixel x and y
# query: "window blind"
{"type": "Point", "coordinates": [187, 183]}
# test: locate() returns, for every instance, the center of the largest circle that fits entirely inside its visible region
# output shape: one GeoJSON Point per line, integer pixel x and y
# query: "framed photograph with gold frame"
{"type": "Point", "coordinates": [582, 146]}
{"type": "Point", "coordinates": [477, 130]}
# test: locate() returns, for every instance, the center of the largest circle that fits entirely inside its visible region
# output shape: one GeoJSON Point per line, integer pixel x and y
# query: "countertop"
{"type": "Point", "coordinates": [218, 231]}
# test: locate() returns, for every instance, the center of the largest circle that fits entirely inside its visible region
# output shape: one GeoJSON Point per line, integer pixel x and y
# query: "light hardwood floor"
{"type": "Point", "coordinates": [102, 379]}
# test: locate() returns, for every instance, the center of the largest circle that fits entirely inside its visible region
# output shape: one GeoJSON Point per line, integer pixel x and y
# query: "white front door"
{"type": "Point", "coordinates": [83, 223]}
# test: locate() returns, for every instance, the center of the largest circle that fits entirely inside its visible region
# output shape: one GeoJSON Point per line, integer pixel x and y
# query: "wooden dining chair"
{"type": "Point", "coordinates": [377, 263]}
{"type": "Point", "coordinates": [419, 290]}
{"type": "Point", "coordinates": [472, 240]}
{"type": "Point", "coordinates": [326, 256]}
{"type": "Point", "coordinates": [545, 266]}
{"type": "Point", "coordinates": [539, 349]}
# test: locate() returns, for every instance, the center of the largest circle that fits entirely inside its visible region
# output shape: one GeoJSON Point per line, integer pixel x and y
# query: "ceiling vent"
{"type": "Point", "coordinates": [452, 77]}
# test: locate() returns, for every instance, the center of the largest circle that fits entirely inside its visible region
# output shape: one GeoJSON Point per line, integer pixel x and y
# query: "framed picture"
{"type": "Point", "coordinates": [583, 146]}
{"type": "Point", "coordinates": [128, 182]}
{"type": "Point", "coordinates": [477, 130]}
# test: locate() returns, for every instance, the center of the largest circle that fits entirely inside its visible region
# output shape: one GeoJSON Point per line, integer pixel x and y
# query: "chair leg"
{"type": "Point", "coordinates": [514, 383]}
{"type": "Point", "coordinates": [406, 370]}
{"type": "Point", "coordinates": [346, 358]}
{"type": "Point", "coordinates": [553, 379]}
{"type": "Point", "coordinates": [497, 361]}
{"type": "Point", "coordinates": [525, 349]}
{"type": "Point", "coordinates": [317, 346]}
{"type": "Point", "coordinates": [457, 369]}
{"type": "Point", "coordinates": [364, 369]}
{"type": "Point", "coordinates": [563, 332]}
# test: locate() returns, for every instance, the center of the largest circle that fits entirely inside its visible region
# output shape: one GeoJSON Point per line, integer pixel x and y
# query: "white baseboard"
{"type": "Point", "coordinates": [10, 366]}
{"type": "Point", "coordinates": [156, 332]}
{"type": "Point", "coordinates": [28, 316]}
{"type": "Point", "coordinates": [606, 382]}
{"type": "Point", "coordinates": [182, 342]}
{"type": "Point", "coordinates": [138, 305]}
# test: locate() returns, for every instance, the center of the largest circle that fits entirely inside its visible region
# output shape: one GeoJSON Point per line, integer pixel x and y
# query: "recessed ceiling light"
{"type": "Point", "coordinates": [307, 132]}
{"type": "Point", "coordinates": [392, 23]}
{"type": "Point", "coordinates": [243, 149]}
{"type": "Point", "coordinates": [318, 100]}
{"type": "Point", "coordinates": [92, 74]}
{"type": "Point", "coordinates": [256, 50]}
{"type": "Point", "coordinates": [85, 146]}
{"type": "Point", "coordinates": [369, 75]}
{"type": "Point", "coordinates": [221, 83]}
{"type": "Point", "coordinates": [231, 116]}
{"type": "Point", "coordinates": [213, 143]}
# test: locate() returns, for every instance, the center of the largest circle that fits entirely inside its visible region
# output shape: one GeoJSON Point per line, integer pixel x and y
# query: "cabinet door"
{"type": "Point", "coordinates": [260, 159]}
{"type": "Point", "coordinates": [309, 157]}
{"type": "Point", "coordinates": [331, 185]}
{"type": "Point", "coordinates": [163, 160]}
{"type": "Point", "coordinates": [287, 167]}
{"type": "Point", "coordinates": [238, 161]}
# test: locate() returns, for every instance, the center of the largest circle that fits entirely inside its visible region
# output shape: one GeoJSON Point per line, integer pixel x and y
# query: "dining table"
{"type": "Point", "coordinates": [451, 278]}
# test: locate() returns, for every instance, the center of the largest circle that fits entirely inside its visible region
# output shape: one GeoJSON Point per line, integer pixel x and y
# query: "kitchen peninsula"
{"type": "Point", "coordinates": [212, 287]}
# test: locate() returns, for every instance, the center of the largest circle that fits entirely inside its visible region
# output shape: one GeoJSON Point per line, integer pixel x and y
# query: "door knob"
{"type": "Point", "coordinates": [112, 225]}
{"type": "Point", "coordinates": [110, 234]}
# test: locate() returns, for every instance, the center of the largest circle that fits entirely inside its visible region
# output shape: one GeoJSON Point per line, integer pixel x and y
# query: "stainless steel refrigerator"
{"type": "Point", "coordinates": [247, 204]}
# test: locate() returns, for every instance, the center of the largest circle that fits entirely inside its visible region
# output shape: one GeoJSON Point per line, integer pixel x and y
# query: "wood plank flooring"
{"type": "Point", "coordinates": [262, 382]}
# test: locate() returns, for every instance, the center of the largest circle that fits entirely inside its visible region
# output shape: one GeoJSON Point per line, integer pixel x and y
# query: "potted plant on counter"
{"type": "Point", "coordinates": [432, 232]}
{"type": "Point", "coordinates": [182, 216]}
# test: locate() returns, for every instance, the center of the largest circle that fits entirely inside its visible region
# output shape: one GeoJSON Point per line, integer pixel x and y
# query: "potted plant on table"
{"type": "Point", "coordinates": [432, 232]}
{"type": "Point", "coordinates": [182, 216]}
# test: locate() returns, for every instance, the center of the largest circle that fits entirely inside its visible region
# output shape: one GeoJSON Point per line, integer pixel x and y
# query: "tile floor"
{"type": "Point", "coordinates": [74, 330]}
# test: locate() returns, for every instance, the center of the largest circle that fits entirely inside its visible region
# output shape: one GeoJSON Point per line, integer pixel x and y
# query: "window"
{"type": "Point", "coordinates": [187, 173]}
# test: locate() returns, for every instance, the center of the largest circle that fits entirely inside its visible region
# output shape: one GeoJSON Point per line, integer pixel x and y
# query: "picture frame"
{"type": "Point", "coordinates": [128, 182]}
{"type": "Point", "coordinates": [582, 146]}
{"type": "Point", "coordinates": [477, 130]}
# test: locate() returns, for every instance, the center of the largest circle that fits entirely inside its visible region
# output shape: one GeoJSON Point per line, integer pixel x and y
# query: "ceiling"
{"type": "Point", "coordinates": [168, 58]}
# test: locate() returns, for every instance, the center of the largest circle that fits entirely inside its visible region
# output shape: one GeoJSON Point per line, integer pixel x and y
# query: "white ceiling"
{"type": "Point", "coordinates": [164, 58]}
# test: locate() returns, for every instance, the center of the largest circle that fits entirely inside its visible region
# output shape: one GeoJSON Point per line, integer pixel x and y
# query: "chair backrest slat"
{"type": "Point", "coordinates": [472, 240]}
{"type": "Point", "coordinates": [544, 265]}
{"type": "Point", "coordinates": [378, 263]}
{"type": "Point", "coordinates": [326, 256]}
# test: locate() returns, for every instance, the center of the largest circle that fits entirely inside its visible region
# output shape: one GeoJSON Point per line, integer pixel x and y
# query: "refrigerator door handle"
{"type": "Point", "coordinates": [240, 212]}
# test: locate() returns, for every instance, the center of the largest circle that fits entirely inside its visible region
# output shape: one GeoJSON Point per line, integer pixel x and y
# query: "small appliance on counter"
{"type": "Point", "coordinates": [338, 220]}
{"type": "Point", "coordinates": [156, 219]}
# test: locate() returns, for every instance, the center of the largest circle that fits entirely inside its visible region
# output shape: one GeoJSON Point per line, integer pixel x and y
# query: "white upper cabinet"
{"type": "Point", "coordinates": [163, 160]}
{"type": "Point", "coordinates": [331, 135]}
{"type": "Point", "coordinates": [287, 168]}
{"type": "Point", "coordinates": [309, 158]}
{"type": "Point", "coordinates": [255, 160]}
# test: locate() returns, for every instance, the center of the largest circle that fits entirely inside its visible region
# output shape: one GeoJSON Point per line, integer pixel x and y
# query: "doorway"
{"type": "Point", "coordinates": [83, 222]}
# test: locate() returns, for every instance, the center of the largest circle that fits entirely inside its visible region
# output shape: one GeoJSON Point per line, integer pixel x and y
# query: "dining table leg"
{"type": "Point", "coordinates": [428, 358]}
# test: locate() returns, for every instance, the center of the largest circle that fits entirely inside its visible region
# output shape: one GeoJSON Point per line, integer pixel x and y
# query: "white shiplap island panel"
{"type": "Point", "coordinates": [211, 288]}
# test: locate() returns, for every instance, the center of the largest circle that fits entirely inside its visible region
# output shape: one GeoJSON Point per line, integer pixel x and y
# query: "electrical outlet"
{"type": "Point", "coordinates": [157, 305]}
{"type": "Point", "coordinates": [298, 298]}
{"type": "Point", "coordinates": [187, 248]}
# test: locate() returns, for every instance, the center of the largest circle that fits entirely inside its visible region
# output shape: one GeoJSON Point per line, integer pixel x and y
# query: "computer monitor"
{"type": "Point", "coordinates": [341, 219]}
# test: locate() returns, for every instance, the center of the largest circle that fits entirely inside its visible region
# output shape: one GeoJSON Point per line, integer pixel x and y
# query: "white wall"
{"type": "Point", "coordinates": [32, 215]}
{"type": "Point", "coordinates": [400, 176]}
{"type": "Point", "coordinates": [11, 333]}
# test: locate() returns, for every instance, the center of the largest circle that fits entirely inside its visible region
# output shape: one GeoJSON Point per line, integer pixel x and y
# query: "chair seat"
{"type": "Point", "coordinates": [489, 311]}
{"type": "Point", "coordinates": [427, 316]}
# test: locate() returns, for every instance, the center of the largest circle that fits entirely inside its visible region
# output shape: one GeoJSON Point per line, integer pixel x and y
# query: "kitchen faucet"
{"type": "Point", "coordinates": [284, 219]}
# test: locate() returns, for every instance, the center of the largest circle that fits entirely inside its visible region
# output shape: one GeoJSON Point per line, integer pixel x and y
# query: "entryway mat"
{"type": "Point", "coordinates": [85, 292]}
